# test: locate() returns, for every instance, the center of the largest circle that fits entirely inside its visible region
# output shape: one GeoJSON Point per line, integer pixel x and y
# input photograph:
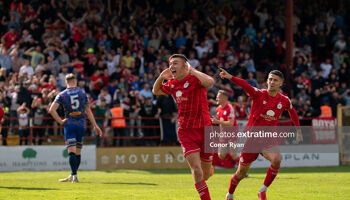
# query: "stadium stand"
{"type": "Point", "coordinates": [118, 48]}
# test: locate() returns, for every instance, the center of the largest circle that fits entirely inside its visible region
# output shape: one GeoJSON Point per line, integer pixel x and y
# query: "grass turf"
{"type": "Point", "coordinates": [292, 183]}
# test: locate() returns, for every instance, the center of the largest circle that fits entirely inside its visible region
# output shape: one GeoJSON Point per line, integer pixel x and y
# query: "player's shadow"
{"type": "Point", "coordinates": [27, 188]}
{"type": "Point", "coordinates": [123, 183]}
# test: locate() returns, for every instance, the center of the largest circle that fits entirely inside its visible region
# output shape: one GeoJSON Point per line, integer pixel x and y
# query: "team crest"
{"type": "Point", "coordinates": [186, 84]}
{"type": "Point", "coordinates": [178, 93]}
{"type": "Point", "coordinates": [270, 113]}
{"type": "Point", "coordinates": [225, 112]}
{"type": "Point", "coordinates": [279, 106]}
{"type": "Point", "coordinates": [172, 86]}
{"type": "Point", "coordinates": [264, 102]}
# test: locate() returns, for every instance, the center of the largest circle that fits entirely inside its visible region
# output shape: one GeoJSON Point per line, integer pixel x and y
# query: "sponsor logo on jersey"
{"type": "Point", "coordinates": [75, 113]}
{"type": "Point", "coordinates": [270, 113]}
{"type": "Point", "coordinates": [269, 116]}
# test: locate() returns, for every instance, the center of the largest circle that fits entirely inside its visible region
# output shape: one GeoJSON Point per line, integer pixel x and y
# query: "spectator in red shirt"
{"type": "Point", "coordinates": [10, 38]}
{"type": "Point", "coordinates": [77, 32]}
{"type": "Point", "coordinates": [96, 82]}
{"type": "Point", "coordinates": [105, 77]}
{"type": "Point", "coordinates": [241, 108]}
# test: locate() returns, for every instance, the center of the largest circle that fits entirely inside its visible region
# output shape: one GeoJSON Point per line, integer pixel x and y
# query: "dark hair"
{"type": "Point", "coordinates": [277, 73]}
{"type": "Point", "coordinates": [178, 56]}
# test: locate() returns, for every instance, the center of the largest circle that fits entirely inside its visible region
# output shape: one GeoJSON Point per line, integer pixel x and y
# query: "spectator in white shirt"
{"type": "Point", "coordinates": [326, 68]}
{"type": "Point", "coordinates": [201, 49]}
{"type": "Point", "coordinates": [193, 61]}
{"type": "Point", "coordinates": [26, 68]}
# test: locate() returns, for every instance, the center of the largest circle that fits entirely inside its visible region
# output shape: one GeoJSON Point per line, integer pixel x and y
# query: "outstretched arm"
{"type": "Point", "coordinates": [250, 90]}
{"type": "Point", "coordinates": [62, 18]}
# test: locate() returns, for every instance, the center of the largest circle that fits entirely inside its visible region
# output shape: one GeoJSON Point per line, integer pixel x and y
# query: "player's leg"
{"type": "Point", "coordinates": [194, 161]}
{"type": "Point", "coordinates": [274, 156]}
{"type": "Point", "coordinates": [222, 156]}
{"type": "Point", "coordinates": [79, 146]}
{"type": "Point", "coordinates": [73, 157]}
{"type": "Point", "coordinates": [78, 153]}
{"type": "Point", "coordinates": [70, 138]}
{"type": "Point", "coordinates": [245, 161]}
{"type": "Point", "coordinates": [80, 140]}
{"type": "Point", "coordinates": [234, 157]}
{"type": "Point", "coordinates": [240, 174]}
{"type": "Point", "coordinates": [206, 164]}
{"type": "Point", "coordinates": [80, 133]}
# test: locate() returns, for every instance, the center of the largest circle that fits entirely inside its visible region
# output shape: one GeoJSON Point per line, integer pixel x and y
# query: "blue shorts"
{"type": "Point", "coordinates": [74, 134]}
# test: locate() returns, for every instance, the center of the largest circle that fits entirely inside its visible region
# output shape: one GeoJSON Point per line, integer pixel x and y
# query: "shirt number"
{"type": "Point", "coordinates": [74, 101]}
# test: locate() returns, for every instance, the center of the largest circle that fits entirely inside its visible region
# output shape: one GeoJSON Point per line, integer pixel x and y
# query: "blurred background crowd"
{"type": "Point", "coordinates": [118, 48]}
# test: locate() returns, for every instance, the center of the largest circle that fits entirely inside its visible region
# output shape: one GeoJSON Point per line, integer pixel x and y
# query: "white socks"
{"type": "Point", "coordinates": [263, 189]}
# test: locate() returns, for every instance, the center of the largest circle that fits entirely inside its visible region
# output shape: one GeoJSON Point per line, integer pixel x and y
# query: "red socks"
{"type": "Point", "coordinates": [202, 190]}
{"type": "Point", "coordinates": [270, 176]}
{"type": "Point", "coordinates": [233, 184]}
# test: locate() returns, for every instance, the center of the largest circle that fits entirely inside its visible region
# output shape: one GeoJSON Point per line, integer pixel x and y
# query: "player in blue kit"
{"type": "Point", "coordinates": [75, 103]}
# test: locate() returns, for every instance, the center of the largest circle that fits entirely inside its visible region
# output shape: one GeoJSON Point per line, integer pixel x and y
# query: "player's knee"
{"type": "Point", "coordinates": [197, 171]}
{"type": "Point", "coordinates": [241, 174]}
{"type": "Point", "coordinates": [206, 175]}
{"type": "Point", "coordinates": [222, 156]}
{"type": "Point", "coordinates": [234, 156]}
{"type": "Point", "coordinates": [276, 161]}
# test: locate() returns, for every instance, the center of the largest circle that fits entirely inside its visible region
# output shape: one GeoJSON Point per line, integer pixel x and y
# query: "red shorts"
{"type": "Point", "coordinates": [246, 159]}
{"type": "Point", "coordinates": [192, 140]}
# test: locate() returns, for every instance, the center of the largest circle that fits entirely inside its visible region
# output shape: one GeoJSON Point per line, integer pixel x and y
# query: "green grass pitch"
{"type": "Point", "coordinates": [322, 183]}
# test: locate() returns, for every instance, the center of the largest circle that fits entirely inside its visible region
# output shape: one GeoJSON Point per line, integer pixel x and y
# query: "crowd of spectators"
{"type": "Point", "coordinates": [118, 48]}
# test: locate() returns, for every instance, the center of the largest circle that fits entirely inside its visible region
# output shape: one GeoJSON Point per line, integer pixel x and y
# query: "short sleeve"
{"type": "Point", "coordinates": [59, 98]}
{"type": "Point", "coordinates": [85, 98]}
{"type": "Point", "coordinates": [289, 104]}
{"type": "Point", "coordinates": [232, 113]}
{"type": "Point", "coordinates": [196, 82]}
{"type": "Point", "coordinates": [254, 93]}
{"type": "Point", "coordinates": [166, 88]}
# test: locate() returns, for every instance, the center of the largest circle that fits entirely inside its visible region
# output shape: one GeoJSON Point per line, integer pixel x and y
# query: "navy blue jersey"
{"type": "Point", "coordinates": [73, 101]}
